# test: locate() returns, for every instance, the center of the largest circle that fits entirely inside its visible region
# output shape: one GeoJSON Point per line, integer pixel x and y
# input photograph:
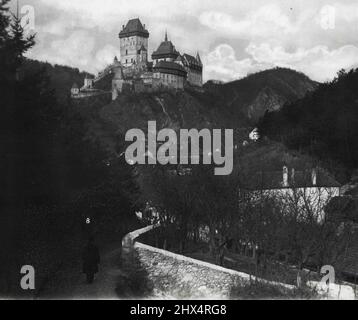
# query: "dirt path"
{"type": "Point", "coordinates": [120, 277]}
{"type": "Point", "coordinates": [104, 286]}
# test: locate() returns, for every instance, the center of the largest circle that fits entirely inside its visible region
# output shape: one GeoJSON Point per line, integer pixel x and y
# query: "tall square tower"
{"type": "Point", "coordinates": [133, 43]}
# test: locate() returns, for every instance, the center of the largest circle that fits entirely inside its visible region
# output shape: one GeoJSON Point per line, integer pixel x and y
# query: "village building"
{"type": "Point", "coordinates": [75, 90]}
{"type": "Point", "coordinates": [88, 82]}
{"type": "Point", "coordinates": [303, 188]}
{"type": "Point", "coordinates": [87, 90]}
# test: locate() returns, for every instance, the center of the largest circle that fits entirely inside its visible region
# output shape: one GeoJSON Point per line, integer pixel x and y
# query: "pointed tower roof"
{"type": "Point", "coordinates": [198, 57]}
{"type": "Point", "coordinates": [192, 62]}
{"type": "Point", "coordinates": [165, 50]}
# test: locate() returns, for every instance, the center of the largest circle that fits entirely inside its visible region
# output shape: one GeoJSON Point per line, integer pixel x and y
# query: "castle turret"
{"type": "Point", "coordinates": [88, 81]}
{"type": "Point", "coordinates": [118, 79]}
{"type": "Point", "coordinates": [198, 58]}
{"type": "Point", "coordinates": [166, 51]}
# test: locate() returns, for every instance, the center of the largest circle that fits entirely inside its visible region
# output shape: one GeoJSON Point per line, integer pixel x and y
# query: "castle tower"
{"type": "Point", "coordinates": [166, 51]}
{"type": "Point", "coordinates": [118, 82]}
{"type": "Point", "coordinates": [133, 43]}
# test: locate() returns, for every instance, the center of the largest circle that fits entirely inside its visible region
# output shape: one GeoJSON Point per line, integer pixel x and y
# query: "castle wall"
{"type": "Point", "coordinates": [170, 80]}
{"type": "Point", "coordinates": [181, 277]}
{"type": "Point", "coordinates": [195, 77]}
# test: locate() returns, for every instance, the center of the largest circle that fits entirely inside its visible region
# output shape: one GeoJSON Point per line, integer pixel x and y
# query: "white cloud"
{"type": "Point", "coordinates": [319, 62]}
{"type": "Point", "coordinates": [222, 64]}
{"type": "Point", "coordinates": [105, 56]}
{"type": "Point", "coordinates": [263, 22]}
{"type": "Point", "coordinates": [233, 37]}
{"type": "Point", "coordinates": [75, 51]}
{"type": "Point", "coordinates": [56, 27]}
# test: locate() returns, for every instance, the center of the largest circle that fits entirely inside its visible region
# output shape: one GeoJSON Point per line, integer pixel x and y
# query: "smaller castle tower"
{"type": "Point", "coordinates": [119, 82]}
{"type": "Point", "coordinates": [88, 82]}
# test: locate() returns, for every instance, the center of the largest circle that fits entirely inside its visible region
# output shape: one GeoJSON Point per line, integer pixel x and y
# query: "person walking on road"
{"type": "Point", "coordinates": [91, 260]}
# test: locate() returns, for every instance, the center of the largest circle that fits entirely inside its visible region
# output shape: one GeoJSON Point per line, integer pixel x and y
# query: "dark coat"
{"type": "Point", "coordinates": [91, 259]}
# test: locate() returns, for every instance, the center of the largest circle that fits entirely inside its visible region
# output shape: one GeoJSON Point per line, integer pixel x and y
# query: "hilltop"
{"type": "Point", "coordinates": [236, 105]}
{"type": "Point", "coordinates": [60, 78]}
{"type": "Point", "coordinates": [323, 123]}
{"type": "Point", "coordinates": [264, 91]}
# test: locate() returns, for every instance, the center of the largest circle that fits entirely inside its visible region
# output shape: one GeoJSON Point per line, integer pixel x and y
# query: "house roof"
{"type": "Point", "coordinates": [192, 60]}
{"type": "Point", "coordinates": [165, 49]}
{"type": "Point", "coordinates": [134, 27]}
{"type": "Point", "coordinates": [170, 67]}
{"type": "Point", "coordinates": [75, 86]}
{"type": "Point", "coordinates": [269, 180]}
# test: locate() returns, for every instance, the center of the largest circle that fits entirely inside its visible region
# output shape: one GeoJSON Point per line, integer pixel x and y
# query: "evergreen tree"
{"type": "Point", "coordinates": [4, 21]}
{"type": "Point", "coordinates": [20, 96]}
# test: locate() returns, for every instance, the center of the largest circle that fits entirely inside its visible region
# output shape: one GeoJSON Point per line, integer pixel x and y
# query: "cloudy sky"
{"type": "Point", "coordinates": [234, 37]}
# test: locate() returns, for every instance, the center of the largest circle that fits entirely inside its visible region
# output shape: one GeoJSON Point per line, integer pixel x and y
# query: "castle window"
{"type": "Point", "coordinates": [126, 52]}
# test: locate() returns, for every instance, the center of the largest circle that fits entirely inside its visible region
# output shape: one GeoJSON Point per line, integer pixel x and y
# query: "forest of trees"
{"type": "Point", "coordinates": [52, 178]}
{"type": "Point", "coordinates": [218, 215]}
{"type": "Point", "coordinates": [323, 124]}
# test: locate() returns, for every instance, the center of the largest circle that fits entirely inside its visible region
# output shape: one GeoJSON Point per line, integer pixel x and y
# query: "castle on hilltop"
{"type": "Point", "coordinates": [133, 72]}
